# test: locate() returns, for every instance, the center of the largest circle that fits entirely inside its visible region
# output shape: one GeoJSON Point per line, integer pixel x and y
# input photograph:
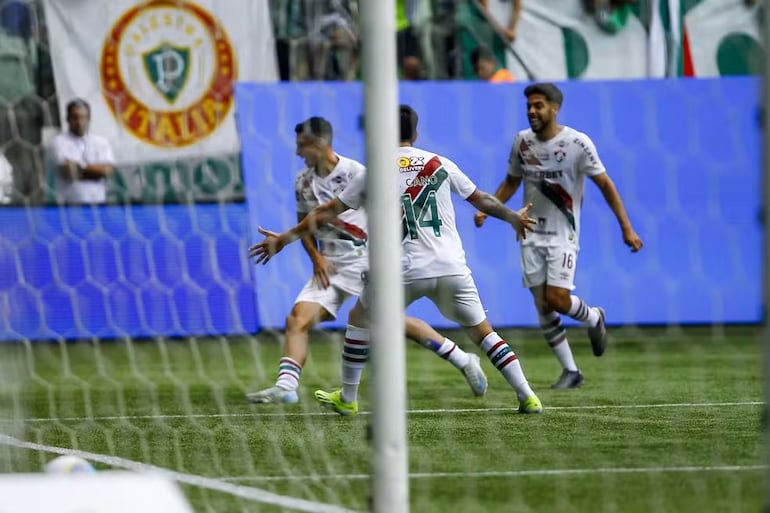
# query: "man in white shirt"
{"type": "Point", "coordinates": [83, 160]}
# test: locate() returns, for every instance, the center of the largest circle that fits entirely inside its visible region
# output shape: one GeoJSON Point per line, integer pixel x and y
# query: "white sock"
{"type": "Point", "coordinates": [580, 311]}
{"type": "Point", "coordinates": [289, 372]}
{"type": "Point", "coordinates": [450, 351]}
{"type": "Point", "coordinates": [505, 360]}
{"type": "Point", "coordinates": [355, 352]}
{"type": "Point", "coordinates": [556, 336]}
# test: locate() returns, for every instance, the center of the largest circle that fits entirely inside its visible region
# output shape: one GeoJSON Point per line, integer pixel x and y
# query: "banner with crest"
{"type": "Point", "coordinates": [159, 74]}
{"type": "Point", "coordinates": [633, 39]}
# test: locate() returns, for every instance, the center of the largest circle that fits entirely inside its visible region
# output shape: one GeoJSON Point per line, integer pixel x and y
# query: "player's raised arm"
{"type": "Point", "coordinates": [492, 206]}
{"type": "Point", "coordinates": [510, 184]}
{"type": "Point", "coordinates": [612, 197]}
{"type": "Point", "coordinates": [504, 192]}
{"type": "Point", "coordinates": [274, 242]}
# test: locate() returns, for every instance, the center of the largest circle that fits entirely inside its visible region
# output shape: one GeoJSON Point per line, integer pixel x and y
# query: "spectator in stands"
{"type": "Point", "coordinates": [84, 160]}
{"type": "Point", "coordinates": [316, 39]}
{"type": "Point", "coordinates": [407, 43]}
{"type": "Point", "coordinates": [334, 40]}
{"type": "Point", "coordinates": [487, 68]}
{"type": "Point", "coordinates": [508, 31]}
{"type": "Point", "coordinates": [290, 39]}
{"type": "Point", "coordinates": [479, 27]}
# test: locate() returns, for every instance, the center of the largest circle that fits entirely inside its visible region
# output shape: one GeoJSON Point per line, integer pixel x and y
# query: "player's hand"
{"type": "Point", "coordinates": [510, 35]}
{"type": "Point", "coordinates": [632, 240]}
{"type": "Point", "coordinates": [322, 268]}
{"type": "Point", "coordinates": [523, 223]}
{"type": "Point", "coordinates": [271, 245]}
{"type": "Point", "coordinates": [479, 218]}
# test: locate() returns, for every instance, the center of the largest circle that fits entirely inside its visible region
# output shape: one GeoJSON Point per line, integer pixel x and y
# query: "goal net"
{"type": "Point", "coordinates": [131, 332]}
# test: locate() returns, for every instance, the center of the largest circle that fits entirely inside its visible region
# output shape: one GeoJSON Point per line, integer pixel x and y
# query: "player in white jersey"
{"type": "Point", "coordinates": [339, 256]}
{"type": "Point", "coordinates": [433, 264]}
{"type": "Point", "coordinates": [337, 251]}
{"type": "Point", "coordinates": [553, 160]}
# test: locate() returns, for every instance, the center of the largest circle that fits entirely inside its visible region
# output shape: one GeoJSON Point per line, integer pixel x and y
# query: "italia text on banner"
{"type": "Point", "coordinates": [159, 74]}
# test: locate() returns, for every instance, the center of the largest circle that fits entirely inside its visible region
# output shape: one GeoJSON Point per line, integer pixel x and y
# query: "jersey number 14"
{"type": "Point", "coordinates": [427, 217]}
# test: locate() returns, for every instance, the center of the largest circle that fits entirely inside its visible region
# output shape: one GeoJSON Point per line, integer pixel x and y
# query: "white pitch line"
{"type": "Point", "coordinates": [410, 412]}
{"type": "Point", "coordinates": [245, 492]}
{"type": "Point", "coordinates": [513, 473]}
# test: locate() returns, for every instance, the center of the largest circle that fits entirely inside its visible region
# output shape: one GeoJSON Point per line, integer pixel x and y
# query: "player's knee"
{"type": "Point", "coordinates": [541, 305]}
{"type": "Point", "coordinates": [357, 315]}
{"type": "Point", "coordinates": [557, 299]}
{"type": "Point", "coordinates": [479, 332]}
{"type": "Point", "coordinates": [299, 322]}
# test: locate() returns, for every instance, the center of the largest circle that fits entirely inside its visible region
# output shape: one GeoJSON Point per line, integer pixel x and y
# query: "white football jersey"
{"type": "Point", "coordinates": [431, 243]}
{"type": "Point", "coordinates": [554, 174]}
{"type": "Point", "coordinates": [342, 241]}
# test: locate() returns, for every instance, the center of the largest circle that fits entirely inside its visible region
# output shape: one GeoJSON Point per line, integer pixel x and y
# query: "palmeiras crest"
{"type": "Point", "coordinates": [168, 67]}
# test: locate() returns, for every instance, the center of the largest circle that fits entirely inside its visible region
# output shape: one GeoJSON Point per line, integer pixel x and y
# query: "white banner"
{"type": "Point", "coordinates": [577, 47]}
{"type": "Point", "coordinates": [159, 74]}
{"type": "Point", "coordinates": [710, 24]}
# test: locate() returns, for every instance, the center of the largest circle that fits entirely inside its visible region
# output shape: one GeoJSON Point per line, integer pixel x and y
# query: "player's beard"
{"type": "Point", "coordinates": [536, 124]}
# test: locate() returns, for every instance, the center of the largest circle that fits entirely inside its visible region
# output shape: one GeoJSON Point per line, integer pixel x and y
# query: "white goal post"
{"type": "Point", "coordinates": [390, 476]}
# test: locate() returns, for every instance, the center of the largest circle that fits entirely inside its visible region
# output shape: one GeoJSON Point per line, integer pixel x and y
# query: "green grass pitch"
{"type": "Point", "coordinates": [667, 421]}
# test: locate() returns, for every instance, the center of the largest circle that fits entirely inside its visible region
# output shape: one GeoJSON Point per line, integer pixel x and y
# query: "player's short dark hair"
{"type": "Point", "coordinates": [317, 127]}
{"type": "Point", "coordinates": [407, 120]}
{"type": "Point", "coordinates": [78, 102]}
{"type": "Point", "coordinates": [482, 53]}
{"type": "Point", "coordinates": [552, 93]}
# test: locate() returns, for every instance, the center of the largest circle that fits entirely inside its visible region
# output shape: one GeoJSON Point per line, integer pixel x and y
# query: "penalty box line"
{"type": "Point", "coordinates": [512, 473]}
{"type": "Point", "coordinates": [432, 411]}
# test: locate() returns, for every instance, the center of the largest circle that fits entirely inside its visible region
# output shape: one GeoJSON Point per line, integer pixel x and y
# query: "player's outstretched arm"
{"type": "Point", "coordinates": [504, 192]}
{"type": "Point", "coordinates": [612, 197]}
{"type": "Point", "coordinates": [274, 242]}
{"type": "Point", "coordinates": [320, 264]}
{"type": "Point", "coordinates": [492, 206]}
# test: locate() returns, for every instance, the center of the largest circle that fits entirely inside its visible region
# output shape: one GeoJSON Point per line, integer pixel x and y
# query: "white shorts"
{"type": "Point", "coordinates": [342, 287]}
{"type": "Point", "coordinates": [552, 265]}
{"type": "Point", "coordinates": [456, 297]}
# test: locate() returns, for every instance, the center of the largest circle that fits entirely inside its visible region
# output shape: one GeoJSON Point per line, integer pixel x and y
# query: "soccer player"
{"type": "Point", "coordinates": [552, 161]}
{"type": "Point", "coordinates": [434, 259]}
{"type": "Point", "coordinates": [339, 256]}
